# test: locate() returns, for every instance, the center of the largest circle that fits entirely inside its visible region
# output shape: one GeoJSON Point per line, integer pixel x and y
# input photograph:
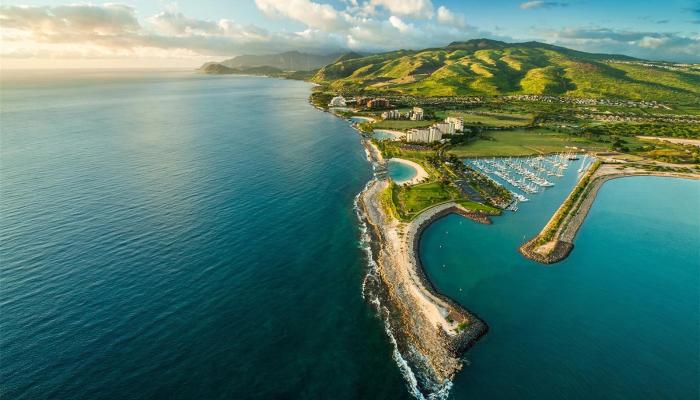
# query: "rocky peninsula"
{"type": "Point", "coordinates": [431, 330]}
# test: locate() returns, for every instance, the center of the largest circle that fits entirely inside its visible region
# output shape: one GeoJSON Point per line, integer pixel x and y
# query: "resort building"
{"type": "Point", "coordinates": [429, 135]}
{"type": "Point", "coordinates": [417, 135]}
{"type": "Point", "coordinates": [337, 101]}
{"type": "Point", "coordinates": [416, 114]}
{"type": "Point", "coordinates": [456, 122]}
{"type": "Point", "coordinates": [378, 103]}
{"type": "Point", "coordinates": [435, 135]}
{"type": "Point", "coordinates": [445, 128]}
{"type": "Point", "coordinates": [391, 114]}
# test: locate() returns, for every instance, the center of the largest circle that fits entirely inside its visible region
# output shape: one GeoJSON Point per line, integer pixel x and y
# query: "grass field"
{"type": "Point", "coordinates": [409, 201]}
{"type": "Point", "coordinates": [522, 143]}
{"type": "Point", "coordinates": [489, 119]}
{"type": "Point", "coordinates": [393, 149]}
{"type": "Point", "coordinates": [400, 125]}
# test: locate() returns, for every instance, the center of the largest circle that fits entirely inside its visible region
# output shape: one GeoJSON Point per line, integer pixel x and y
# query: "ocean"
{"type": "Point", "coordinates": [168, 235]}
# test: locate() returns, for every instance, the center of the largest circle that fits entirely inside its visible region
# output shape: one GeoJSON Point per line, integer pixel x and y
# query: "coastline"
{"type": "Point", "coordinates": [555, 241]}
{"type": "Point", "coordinates": [431, 330]}
{"type": "Point", "coordinates": [420, 171]}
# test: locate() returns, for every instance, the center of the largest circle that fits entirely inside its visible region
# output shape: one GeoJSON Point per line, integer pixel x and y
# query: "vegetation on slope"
{"type": "Point", "coordinates": [490, 68]}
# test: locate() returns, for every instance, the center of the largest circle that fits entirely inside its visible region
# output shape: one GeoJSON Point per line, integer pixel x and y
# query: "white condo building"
{"type": "Point", "coordinates": [429, 135]}
{"type": "Point", "coordinates": [456, 122]}
{"type": "Point", "coordinates": [445, 128]}
{"type": "Point", "coordinates": [391, 114]}
{"type": "Point", "coordinates": [416, 114]}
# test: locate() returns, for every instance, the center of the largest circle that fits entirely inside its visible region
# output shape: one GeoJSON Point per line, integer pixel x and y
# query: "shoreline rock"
{"type": "Point", "coordinates": [431, 329]}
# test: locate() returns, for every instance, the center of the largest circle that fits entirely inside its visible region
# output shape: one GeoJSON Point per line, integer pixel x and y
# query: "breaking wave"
{"type": "Point", "coordinates": [437, 391]}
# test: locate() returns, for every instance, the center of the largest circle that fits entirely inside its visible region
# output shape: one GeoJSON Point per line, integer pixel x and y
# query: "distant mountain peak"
{"type": "Point", "coordinates": [288, 61]}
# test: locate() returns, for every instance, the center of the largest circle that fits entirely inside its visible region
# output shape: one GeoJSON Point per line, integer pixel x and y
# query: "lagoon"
{"type": "Point", "coordinates": [619, 318]}
{"type": "Point", "coordinates": [401, 171]}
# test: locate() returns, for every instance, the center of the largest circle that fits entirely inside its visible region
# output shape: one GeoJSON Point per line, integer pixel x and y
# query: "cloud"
{"type": "Point", "coordinates": [531, 5]}
{"type": "Point", "coordinates": [397, 23]}
{"type": "Point", "coordinates": [178, 24]}
{"type": "Point", "coordinates": [314, 15]}
{"type": "Point", "coordinates": [104, 20]}
{"type": "Point", "coordinates": [649, 45]}
{"type": "Point", "coordinates": [415, 8]}
{"type": "Point", "coordinates": [113, 30]}
{"type": "Point", "coordinates": [447, 17]}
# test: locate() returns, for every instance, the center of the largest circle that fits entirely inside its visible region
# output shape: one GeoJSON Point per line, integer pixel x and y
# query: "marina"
{"type": "Point", "coordinates": [524, 176]}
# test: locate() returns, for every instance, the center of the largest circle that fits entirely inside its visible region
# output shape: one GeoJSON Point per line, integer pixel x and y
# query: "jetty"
{"type": "Point", "coordinates": [555, 240]}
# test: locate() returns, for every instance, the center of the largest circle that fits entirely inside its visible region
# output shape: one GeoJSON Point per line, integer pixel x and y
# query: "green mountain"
{"type": "Point", "coordinates": [488, 67]}
{"type": "Point", "coordinates": [220, 69]}
{"type": "Point", "coordinates": [288, 61]}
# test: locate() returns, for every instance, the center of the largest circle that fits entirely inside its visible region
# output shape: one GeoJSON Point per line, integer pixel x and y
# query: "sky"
{"type": "Point", "coordinates": [186, 33]}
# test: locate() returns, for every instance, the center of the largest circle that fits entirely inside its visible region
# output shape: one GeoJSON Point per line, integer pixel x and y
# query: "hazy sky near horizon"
{"type": "Point", "coordinates": [158, 33]}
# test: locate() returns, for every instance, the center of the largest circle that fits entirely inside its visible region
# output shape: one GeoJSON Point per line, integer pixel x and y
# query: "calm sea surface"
{"type": "Point", "coordinates": [174, 236]}
{"type": "Point", "coordinates": [618, 319]}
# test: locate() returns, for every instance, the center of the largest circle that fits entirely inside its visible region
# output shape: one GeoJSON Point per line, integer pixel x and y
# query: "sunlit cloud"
{"type": "Point", "coordinates": [85, 31]}
{"type": "Point", "coordinates": [635, 43]}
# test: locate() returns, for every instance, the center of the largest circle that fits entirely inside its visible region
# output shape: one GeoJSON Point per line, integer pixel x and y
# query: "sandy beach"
{"type": "Point", "coordinates": [397, 135]}
{"type": "Point", "coordinates": [439, 329]}
{"type": "Point", "coordinates": [420, 171]}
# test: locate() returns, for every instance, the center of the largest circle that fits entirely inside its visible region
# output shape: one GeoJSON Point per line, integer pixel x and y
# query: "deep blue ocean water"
{"type": "Point", "coordinates": [618, 319]}
{"type": "Point", "coordinates": [176, 236]}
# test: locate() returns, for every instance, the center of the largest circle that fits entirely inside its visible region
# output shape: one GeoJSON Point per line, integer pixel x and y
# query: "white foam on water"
{"type": "Point", "coordinates": [439, 391]}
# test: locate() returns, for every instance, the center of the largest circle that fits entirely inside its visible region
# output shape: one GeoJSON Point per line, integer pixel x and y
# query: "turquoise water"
{"type": "Point", "coordinates": [380, 134]}
{"type": "Point", "coordinates": [163, 237]}
{"type": "Point", "coordinates": [400, 172]}
{"type": "Point", "coordinates": [619, 318]}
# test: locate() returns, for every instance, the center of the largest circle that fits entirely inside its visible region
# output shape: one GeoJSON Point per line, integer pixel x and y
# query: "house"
{"type": "Point", "coordinates": [337, 101]}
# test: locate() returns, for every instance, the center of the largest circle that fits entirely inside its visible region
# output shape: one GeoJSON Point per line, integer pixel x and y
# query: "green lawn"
{"type": "Point", "coordinates": [400, 125]}
{"type": "Point", "coordinates": [409, 201]}
{"type": "Point", "coordinates": [393, 149]}
{"type": "Point", "coordinates": [522, 143]}
{"type": "Point", "coordinates": [489, 119]}
{"type": "Point", "coordinates": [474, 206]}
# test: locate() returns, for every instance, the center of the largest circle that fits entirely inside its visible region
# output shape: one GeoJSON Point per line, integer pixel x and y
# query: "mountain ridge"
{"type": "Point", "coordinates": [486, 67]}
{"type": "Point", "coordinates": [287, 61]}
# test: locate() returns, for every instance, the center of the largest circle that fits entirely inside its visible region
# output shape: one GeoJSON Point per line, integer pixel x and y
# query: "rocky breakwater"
{"type": "Point", "coordinates": [555, 242]}
{"type": "Point", "coordinates": [432, 331]}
